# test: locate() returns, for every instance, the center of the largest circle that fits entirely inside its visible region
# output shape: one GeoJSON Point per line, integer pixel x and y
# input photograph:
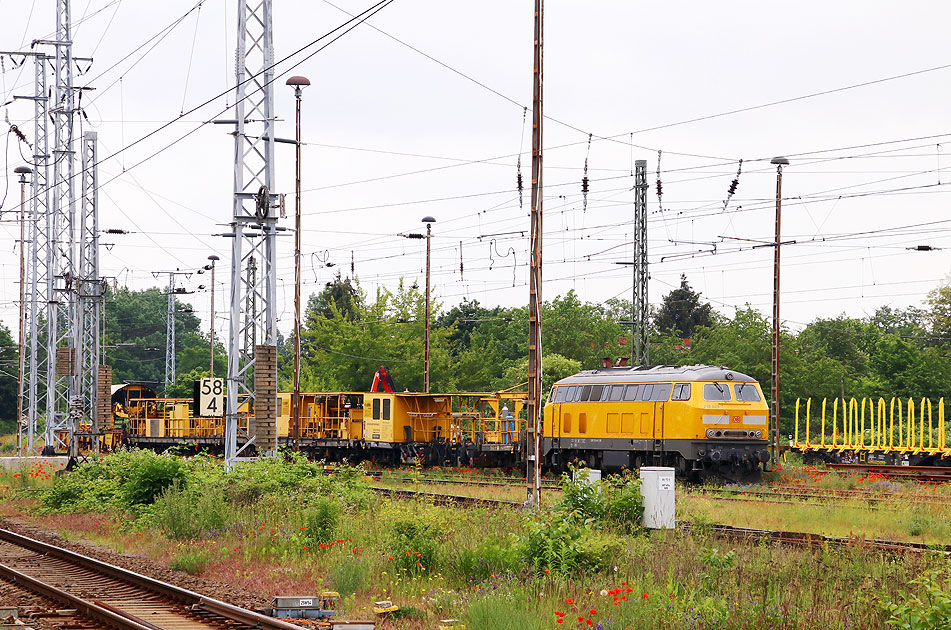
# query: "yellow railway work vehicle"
{"type": "Point", "coordinates": [697, 418]}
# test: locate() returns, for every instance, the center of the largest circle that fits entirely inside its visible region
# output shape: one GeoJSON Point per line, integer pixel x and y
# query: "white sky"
{"type": "Point", "coordinates": [611, 68]}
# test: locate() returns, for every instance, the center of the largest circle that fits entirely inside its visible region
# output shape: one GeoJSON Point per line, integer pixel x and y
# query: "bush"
{"type": "Point", "coordinates": [413, 544]}
{"type": "Point", "coordinates": [616, 499]}
{"type": "Point", "coordinates": [188, 513]}
{"type": "Point", "coordinates": [191, 562]}
{"type": "Point", "coordinates": [320, 521]}
{"type": "Point", "coordinates": [124, 481]}
{"type": "Point", "coordinates": [486, 558]}
{"type": "Point", "coordinates": [929, 608]}
{"type": "Point", "coordinates": [564, 543]}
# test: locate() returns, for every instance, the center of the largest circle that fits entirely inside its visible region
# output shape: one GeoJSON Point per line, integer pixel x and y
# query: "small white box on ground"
{"type": "Point", "coordinates": [658, 490]}
{"type": "Point", "coordinates": [588, 475]}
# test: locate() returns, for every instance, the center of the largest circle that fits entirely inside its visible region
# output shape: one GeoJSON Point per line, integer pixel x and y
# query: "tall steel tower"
{"type": "Point", "coordinates": [60, 270]}
{"type": "Point", "coordinates": [252, 366]}
{"type": "Point", "coordinates": [641, 303]}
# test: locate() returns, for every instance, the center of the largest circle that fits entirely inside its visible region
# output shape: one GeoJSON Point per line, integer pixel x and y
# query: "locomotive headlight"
{"type": "Point", "coordinates": [759, 434]}
{"type": "Point", "coordinates": [709, 434]}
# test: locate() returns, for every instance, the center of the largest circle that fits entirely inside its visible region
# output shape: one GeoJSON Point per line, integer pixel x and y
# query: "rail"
{"type": "Point", "coordinates": [188, 604]}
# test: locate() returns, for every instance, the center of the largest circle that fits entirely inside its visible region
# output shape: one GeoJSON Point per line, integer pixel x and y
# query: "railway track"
{"type": "Point", "coordinates": [113, 597]}
{"type": "Point", "coordinates": [931, 474]}
{"type": "Point", "coordinates": [872, 499]}
{"type": "Point", "coordinates": [798, 539]}
{"type": "Point", "coordinates": [468, 482]}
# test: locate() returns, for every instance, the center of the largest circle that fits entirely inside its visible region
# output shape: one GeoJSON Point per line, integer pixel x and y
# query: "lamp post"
{"type": "Point", "coordinates": [780, 162]}
{"type": "Point", "coordinates": [428, 220]}
{"type": "Point", "coordinates": [298, 83]}
{"type": "Point", "coordinates": [23, 172]}
{"type": "Point", "coordinates": [211, 332]}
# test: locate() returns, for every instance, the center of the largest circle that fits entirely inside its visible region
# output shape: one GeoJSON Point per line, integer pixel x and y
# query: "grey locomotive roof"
{"type": "Point", "coordinates": [652, 373]}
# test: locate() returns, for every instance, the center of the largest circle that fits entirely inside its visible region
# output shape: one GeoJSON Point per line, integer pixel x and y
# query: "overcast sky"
{"type": "Point", "coordinates": [394, 135]}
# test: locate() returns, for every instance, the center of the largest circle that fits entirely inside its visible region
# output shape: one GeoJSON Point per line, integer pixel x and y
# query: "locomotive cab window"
{"type": "Point", "coordinates": [386, 408]}
{"type": "Point", "coordinates": [630, 392]}
{"type": "Point", "coordinates": [681, 392]}
{"type": "Point", "coordinates": [376, 408]}
{"type": "Point", "coordinates": [569, 395]}
{"type": "Point", "coordinates": [660, 392]}
{"type": "Point", "coordinates": [595, 394]}
{"type": "Point", "coordinates": [715, 392]}
{"type": "Point", "coordinates": [746, 392]}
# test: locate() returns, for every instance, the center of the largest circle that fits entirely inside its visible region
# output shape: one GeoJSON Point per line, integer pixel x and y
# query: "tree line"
{"type": "Point", "coordinates": [347, 335]}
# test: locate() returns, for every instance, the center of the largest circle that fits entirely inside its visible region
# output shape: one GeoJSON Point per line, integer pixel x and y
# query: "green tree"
{"type": "Point", "coordinates": [9, 359]}
{"type": "Point", "coordinates": [554, 367]}
{"type": "Point", "coordinates": [681, 311]}
{"type": "Point", "coordinates": [135, 336]}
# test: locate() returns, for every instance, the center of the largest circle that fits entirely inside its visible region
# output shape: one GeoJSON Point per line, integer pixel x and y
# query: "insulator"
{"type": "Point", "coordinates": [733, 185]}
{"type": "Point", "coordinates": [660, 188]}
{"type": "Point", "coordinates": [584, 184]}
{"type": "Point", "coordinates": [518, 181]}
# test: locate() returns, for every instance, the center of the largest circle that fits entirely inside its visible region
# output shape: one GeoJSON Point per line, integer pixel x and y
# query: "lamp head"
{"type": "Point", "coordinates": [779, 161]}
{"type": "Point", "coordinates": [23, 170]}
{"type": "Point", "coordinates": [428, 219]}
{"type": "Point", "coordinates": [213, 258]}
{"type": "Point", "coordinates": [298, 81]}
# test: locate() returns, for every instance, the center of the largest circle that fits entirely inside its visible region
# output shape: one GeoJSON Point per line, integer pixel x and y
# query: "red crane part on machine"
{"type": "Point", "coordinates": [382, 379]}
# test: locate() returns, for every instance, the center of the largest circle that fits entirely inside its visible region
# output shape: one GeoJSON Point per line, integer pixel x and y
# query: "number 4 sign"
{"type": "Point", "coordinates": [211, 397]}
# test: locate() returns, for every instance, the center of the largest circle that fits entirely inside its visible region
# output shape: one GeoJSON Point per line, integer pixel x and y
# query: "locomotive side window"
{"type": "Point", "coordinates": [585, 392]}
{"type": "Point", "coordinates": [681, 392]}
{"type": "Point", "coordinates": [646, 390]}
{"type": "Point", "coordinates": [746, 392]}
{"type": "Point", "coordinates": [617, 392]}
{"type": "Point", "coordinates": [715, 392]}
{"type": "Point", "coordinates": [595, 394]}
{"type": "Point", "coordinates": [661, 392]}
{"type": "Point", "coordinates": [630, 392]}
{"type": "Point", "coordinates": [570, 393]}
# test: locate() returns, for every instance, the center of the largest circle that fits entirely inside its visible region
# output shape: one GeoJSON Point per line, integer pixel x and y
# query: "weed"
{"type": "Point", "coordinates": [192, 562]}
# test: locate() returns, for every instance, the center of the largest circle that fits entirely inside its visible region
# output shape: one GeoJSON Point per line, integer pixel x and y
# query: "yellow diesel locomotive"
{"type": "Point", "coordinates": [695, 418]}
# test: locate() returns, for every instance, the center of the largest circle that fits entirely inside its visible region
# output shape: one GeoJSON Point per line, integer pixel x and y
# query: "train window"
{"type": "Point", "coordinates": [617, 392]}
{"type": "Point", "coordinates": [595, 394]}
{"type": "Point", "coordinates": [557, 394]}
{"type": "Point", "coordinates": [715, 391]}
{"type": "Point", "coordinates": [585, 391]}
{"type": "Point", "coordinates": [376, 408]}
{"type": "Point", "coordinates": [570, 393]}
{"type": "Point", "coordinates": [386, 408]}
{"type": "Point", "coordinates": [646, 391]}
{"type": "Point", "coordinates": [661, 392]}
{"type": "Point", "coordinates": [681, 392]}
{"type": "Point", "coordinates": [746, 392]}
{"type": "Point", "coordinates": [630, 392]}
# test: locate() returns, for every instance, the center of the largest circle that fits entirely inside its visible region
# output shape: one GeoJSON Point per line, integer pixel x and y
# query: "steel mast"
{"type": "Point", "coordinates": [252, 367]}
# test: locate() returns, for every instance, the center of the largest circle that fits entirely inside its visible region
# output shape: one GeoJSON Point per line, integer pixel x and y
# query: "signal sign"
{"type": "Point", "coordinates": [210, 401]}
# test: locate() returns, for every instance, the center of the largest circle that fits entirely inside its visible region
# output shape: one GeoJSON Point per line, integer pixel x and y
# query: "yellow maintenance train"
{"type": "Point", "coordinates": [698, 419]}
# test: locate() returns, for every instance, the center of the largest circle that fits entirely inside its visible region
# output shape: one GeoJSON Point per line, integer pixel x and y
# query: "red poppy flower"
{"type": "Point", "coordinates": [646, 596]}
{"type": "Point", "coordinates": [593, 611]}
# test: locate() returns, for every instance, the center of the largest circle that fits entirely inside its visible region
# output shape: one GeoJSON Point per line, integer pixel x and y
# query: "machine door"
{"type": "Point", "coordinates": [658, 444]}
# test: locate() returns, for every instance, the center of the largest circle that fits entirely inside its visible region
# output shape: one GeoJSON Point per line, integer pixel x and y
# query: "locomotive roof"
{"type": "Point", "coordinates": [652, 373]}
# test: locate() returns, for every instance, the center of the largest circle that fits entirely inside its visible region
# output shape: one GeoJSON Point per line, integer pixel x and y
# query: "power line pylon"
{"type": "Point", "coordinates": [252, 371]}
{"type": "Point", "coordinates": [641, 303]}
{"type": "Point", "coordinates": [89, 297]}
{"type": "Point", "coordinates": [61, 305]}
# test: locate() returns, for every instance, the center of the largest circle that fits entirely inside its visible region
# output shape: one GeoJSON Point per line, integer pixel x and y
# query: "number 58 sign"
{"type": "Point", "coordinates": [211, 397]}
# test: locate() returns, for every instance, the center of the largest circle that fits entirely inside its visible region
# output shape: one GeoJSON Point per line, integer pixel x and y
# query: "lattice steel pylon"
{"type": "Point", "coordinates": [170, 334]}
{"type": "Point", "coordinates": [89, 296]}
{"type": "Point", "coordinates": [61, 305]}
{"type": "Point", "coordinates": [37, 276]}
{"type": "Point", "coordinates": [641, 304]}
{"type": "Point", "coordinates": [254, 229]}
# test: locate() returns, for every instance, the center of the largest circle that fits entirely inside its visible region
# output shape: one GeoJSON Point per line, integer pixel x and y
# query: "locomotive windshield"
{"type": "Point", "coordinates": [746, 392]}
{"type": "Point", "coordinates": [716, 392]}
